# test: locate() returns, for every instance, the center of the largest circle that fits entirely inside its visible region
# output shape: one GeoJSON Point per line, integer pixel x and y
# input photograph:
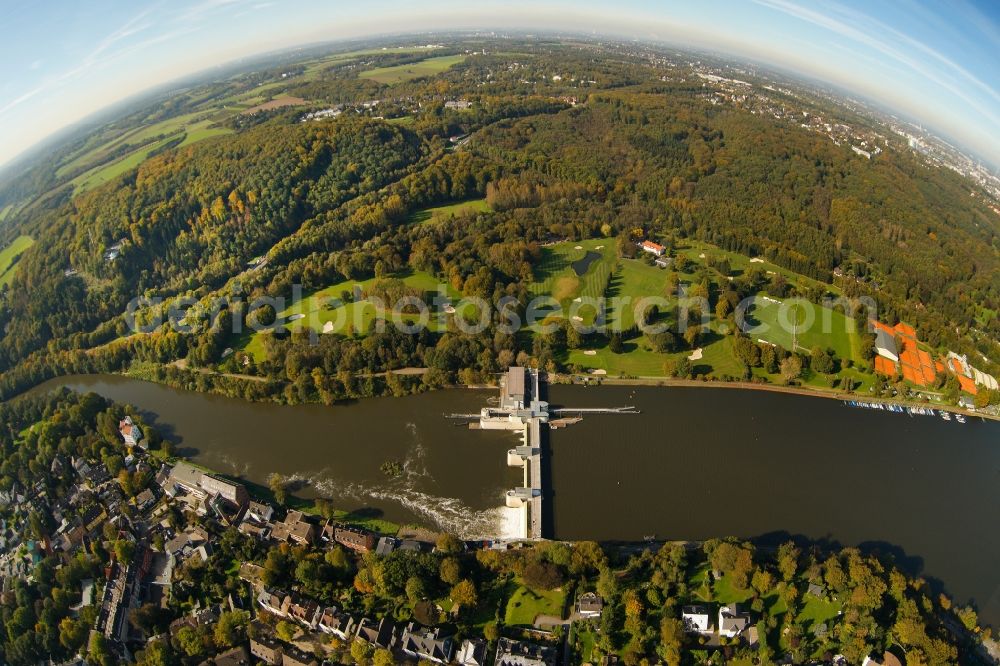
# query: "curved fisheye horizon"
{"type": "Point", "coordinates": [934, 66]}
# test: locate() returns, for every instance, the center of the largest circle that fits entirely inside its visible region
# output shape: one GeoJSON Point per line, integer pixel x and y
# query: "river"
{"type": "Point", "coordinates": [696, 463]}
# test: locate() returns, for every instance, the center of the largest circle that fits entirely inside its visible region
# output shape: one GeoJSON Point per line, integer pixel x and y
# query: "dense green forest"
{"type": "Point", "coordinates": [618, 146]}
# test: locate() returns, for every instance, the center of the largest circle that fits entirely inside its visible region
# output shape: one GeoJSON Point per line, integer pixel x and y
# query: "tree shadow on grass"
{"type": "Point", "coordinates": [364, 514]}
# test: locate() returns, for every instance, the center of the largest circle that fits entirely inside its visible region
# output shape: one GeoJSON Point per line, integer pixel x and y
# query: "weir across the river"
{"type": "Point", "coordinates": [522, 409]}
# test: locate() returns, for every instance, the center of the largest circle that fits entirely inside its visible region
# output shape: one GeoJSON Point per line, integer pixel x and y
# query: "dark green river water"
{"type": "Point", "coordinates": [697, 463]}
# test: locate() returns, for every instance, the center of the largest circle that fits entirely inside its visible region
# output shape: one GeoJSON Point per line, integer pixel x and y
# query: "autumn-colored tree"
{"type": "Point", "coordinates": [671, 640]}
{"type": "Point", "coordinates": [464, 594]}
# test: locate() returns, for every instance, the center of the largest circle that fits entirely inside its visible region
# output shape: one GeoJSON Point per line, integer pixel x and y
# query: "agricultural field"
{"type": "Point", "coordinates": [809, 324]}
{"type": "Point", "coordinates": [413, 70]}
{"type": "Point", "coordinates": [9, 256]}
{"type": "Point", "coordinates": [326, 306]}
{"type": "Point", "coordinates": [103, 173]}
{"type": "Point", "coordinates": [201, 131]}
{"type": "Point", "coordinates": [277, 103]}
{"type": "Point", "coordinates": [315, 68]}
{"type": "Point", "coordinates": [440, 213]}
{"type": "Point", "coordinates": [193, 127]}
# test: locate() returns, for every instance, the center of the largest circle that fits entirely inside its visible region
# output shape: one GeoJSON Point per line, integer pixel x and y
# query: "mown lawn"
{"type": "Point", "coordinates": [556, 277]}
{"type": "Point", "coordinates": [724, 592]}
{"type": "Point", "coordinates": [402, 120]}
{"type": "Point", "coordinates": [638, 360]}
{"type": "Point", "coordinates": [740, 263]}
{"type": "Point", "coordinates": [413, 70]}
{"type": "Point", "coordinates": [816, 610]}
{"type": "Point", "coordinates": [812, 325]}
{"type": "Point", "coordinates": [527, 604]}
{"type": "Point", "coordinates": [633, 280]}
{"type": "Point", "coordinates": [325, 305]}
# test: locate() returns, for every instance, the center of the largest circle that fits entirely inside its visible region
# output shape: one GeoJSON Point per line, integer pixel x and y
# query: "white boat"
{"type": "Point", "coordinates": [959, 418]}
{"type": "Point", "coordinates": [945, 415]}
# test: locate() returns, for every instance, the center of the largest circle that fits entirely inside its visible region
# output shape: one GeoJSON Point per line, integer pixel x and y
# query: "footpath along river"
{"type": "Point", "coordinates": [696, 463]}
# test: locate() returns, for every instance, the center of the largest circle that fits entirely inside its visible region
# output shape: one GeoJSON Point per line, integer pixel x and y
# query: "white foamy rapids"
{"type": "Point", "coordinates": [449, 514]}
{"type": "Point", "coordinates": [415, 464]}
{"type": "Point", "coordinates": [446, 513]}
{"type": "Point", "coordinates": [512, 523]}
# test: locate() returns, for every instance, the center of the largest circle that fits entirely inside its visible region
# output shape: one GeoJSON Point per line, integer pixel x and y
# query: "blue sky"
{"type": "Point", "coordinates": [938, 62]}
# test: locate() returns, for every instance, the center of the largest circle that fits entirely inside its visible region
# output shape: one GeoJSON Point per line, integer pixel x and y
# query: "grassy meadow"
{"type": "Point", "coordinates": [9, 256]}
{"type": "Point", "coordinates": [813, 326]}
{"type": "Point", "coordinates": [630, 280]}
{"type": "Point", "coordinates": [526, 604]}
{"type": "Point", "coordinates": [351, 317]}
{"type": "Point", "coordinates": [440, 213]}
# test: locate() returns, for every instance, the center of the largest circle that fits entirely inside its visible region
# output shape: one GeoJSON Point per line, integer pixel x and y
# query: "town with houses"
{"type": "Point", "coordinates": [211, 504]}
{"type": "Point", "coordinates": [186, 515]}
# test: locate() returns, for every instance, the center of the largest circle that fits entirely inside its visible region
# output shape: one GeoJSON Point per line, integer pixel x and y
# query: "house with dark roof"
{"type": "Point", "coordinates": [733, 621]}
{"type": "Point", "coordinates": [295, 528]}
{"type": "Point", "coordinates": [145, 500]}
{"type": "Point", "coordinates": [341, 625]}
{"type": "Point", "coordinates": [270, 650]}
{"type": "Point", "coordinates": [354, 538]}
{"type": "Point", "coordinates": [386, 545]}
{"type": "Point", "coordinates": [426, 644]}
{"type": "Point", "coordinates": [302, 610]}
{"type": "Point", "coordinates": [266, 649]}
{"type": "Point", "coordinates": [816, 590]}
{"type": "Point", "coordinates": [237, 656]}
{"type": "Point", "coordinates": [520, 653]}
{"type": "Point", "coordinates": [381, 635]}
{"type": "Point", "coordinates": [188, 478]}
{"type": "Point", "coordinates": [257, 531]}
{"type": "Point", "coordinates": [274, 601]}
{"type": "Point", "coordinates": [260, 512]}
{"type": "Point", "coordinates": [887, 659]}
{"type": "Point", "coordinates": [589, 605]}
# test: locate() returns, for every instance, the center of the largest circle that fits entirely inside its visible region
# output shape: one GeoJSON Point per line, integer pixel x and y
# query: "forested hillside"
{"type": "Point", "coordinates": [620, 146]}
{"type": "Point", "coordinates": [192, 217]}
{"type": "Point", "coordinates": [746, 184]}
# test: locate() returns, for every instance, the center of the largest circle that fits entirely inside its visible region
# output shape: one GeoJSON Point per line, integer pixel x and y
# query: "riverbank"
{"type": "Point", "coordinates": [753, 386]}
{"type": "Point", "coordinates": [795, 461]}
{"type": "Point", "coordinates": [262, 493]}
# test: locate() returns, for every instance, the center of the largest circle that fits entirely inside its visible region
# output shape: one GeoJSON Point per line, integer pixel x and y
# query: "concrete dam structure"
{"type": "Point", "coordinates": [522, 410]}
